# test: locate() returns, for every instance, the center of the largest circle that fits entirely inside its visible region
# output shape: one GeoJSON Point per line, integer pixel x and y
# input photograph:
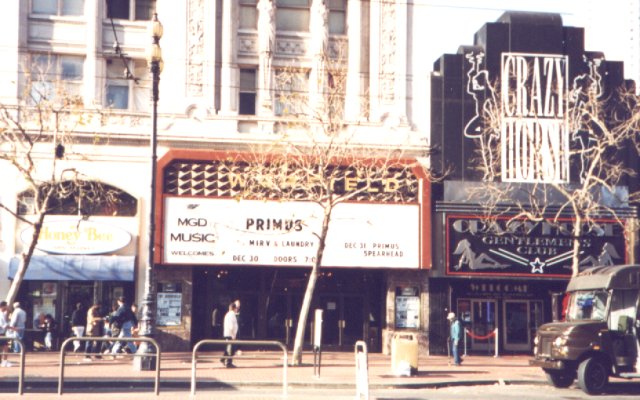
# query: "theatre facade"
{"type": "Point", "coordinates": [501, 271]}
{"type": "Point", "coordinates": [214, 247]}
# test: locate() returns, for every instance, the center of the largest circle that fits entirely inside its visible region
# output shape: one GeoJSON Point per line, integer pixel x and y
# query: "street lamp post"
{"type": "Point", "coordinates": [148, 362]}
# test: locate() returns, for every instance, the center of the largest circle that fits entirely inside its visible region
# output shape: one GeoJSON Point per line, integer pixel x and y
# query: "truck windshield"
{"type": "Point", "coordinates": [587, 305]}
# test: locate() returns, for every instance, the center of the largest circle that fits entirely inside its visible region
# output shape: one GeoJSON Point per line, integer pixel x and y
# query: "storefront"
{"type": "Point", "coordinates": [260, 253]}
{"type": "Point", "coordinates": [505, 217]}
{"type": "Point", "coordinates": [87, 260]}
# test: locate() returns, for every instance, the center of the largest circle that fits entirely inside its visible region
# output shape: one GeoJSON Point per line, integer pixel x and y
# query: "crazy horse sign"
{"type": "Point", "coordinates": [504, 114]}
{"type": "Point", "coordinates": [534, 133]}
{"type": "Point", "coordinates": [526, 71]}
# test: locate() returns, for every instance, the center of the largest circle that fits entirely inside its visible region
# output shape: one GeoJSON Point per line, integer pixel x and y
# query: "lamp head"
{"type": "Point", "coordinates": [156, 29]}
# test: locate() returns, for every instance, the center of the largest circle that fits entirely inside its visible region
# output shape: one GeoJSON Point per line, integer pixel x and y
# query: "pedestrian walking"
{"type": "Point", "coordinates": [78, 325]}
{"type": "Point", "coordinates": [17, 325]}
{"type": "Point", "coordinates": [95, 324]}
{"type": "Point", "coordinates": [111, 329]}
{"type": "Point", "coordinates": [242, 325]}
{"type": "Point", "coordinates": [239, 319]}
{"type": "Point", "coordinates": [127, 320]}
{"type": "Point", "coordinates": [49, 328]}
{"type": "Point", "coordinates": [215, 323]}
{"type": "Point", "coordinates": [4, 325]}
{"type": "Point", "coordinates": [230, 332]}
{"type": "Point", "coordinates": [455, 335]}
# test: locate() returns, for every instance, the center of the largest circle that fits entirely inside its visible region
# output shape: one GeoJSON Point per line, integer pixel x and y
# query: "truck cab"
{"type": "Point", "coordinates": [600, 336]}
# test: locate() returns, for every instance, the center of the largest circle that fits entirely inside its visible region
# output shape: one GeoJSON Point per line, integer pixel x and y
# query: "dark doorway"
{"type": "Point", "coordinates": [343, 320]}
{"type": "Point", "coordinates": [271, 300]}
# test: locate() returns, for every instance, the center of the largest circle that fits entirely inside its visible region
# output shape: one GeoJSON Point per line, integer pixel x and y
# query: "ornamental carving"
{"type": "Point", "coordinates": [289, 47]}
{"type": "Point", "coordinates": [247, 45]}
{"type": "Point", "coordinates": [195, 47]}
{"type": "Point", "coordinates": [388, 55]}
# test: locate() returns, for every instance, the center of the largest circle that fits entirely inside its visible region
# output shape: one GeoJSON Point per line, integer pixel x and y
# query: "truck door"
{"type": "Point", "coordinates": [623, 316]}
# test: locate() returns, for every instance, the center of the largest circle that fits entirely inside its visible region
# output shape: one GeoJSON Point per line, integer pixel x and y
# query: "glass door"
{"type": "Point", "coordinates": [536, 318]}
{"type": "Point", "coordinates": [283, 311]}
{"type": "Point", "coordinates": [352, 320]}
{"type": "Point", "coordinates": [343, 321]}
{"type": "Point", "coordinates": [517, 325]}
{"type": "Point", "coordinates": [483, 322]}
{"type": "Point", "coordinates": [331, 320]}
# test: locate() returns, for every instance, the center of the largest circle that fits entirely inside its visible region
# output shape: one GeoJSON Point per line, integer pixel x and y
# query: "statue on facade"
{"type": "Point", "coordinates": [317, 50]}
{"type": "Point", "coordinates": [266, 43]}
{"type": "Point", "coordinates": [266, 26]}
{"type": "Point", "coordinates": [318, 28]}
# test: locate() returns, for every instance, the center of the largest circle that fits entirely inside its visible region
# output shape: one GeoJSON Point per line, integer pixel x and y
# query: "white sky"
{"type": "Point", "coordinates": [441, 26]}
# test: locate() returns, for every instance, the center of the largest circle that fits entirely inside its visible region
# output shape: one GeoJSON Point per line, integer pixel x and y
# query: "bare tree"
{"type": "Point", "coordinates": [35, 137]}
{"type": "Point", "coordinates": [315, 160]}
{"type": "Point", "coordinates": [601, 125]}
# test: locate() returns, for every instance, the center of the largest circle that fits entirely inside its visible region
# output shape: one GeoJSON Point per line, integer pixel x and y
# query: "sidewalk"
{"type": "Point", "coordinates": [264, 369]}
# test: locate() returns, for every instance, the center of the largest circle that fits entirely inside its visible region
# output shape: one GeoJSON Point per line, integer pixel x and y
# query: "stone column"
{"type": "Point", "coordinates": [399, 111]}
{"type": "Point", "coordinates": [357, 29]}
{"type": "Point", "coordinates": [11, 41]}
{"type": "Point", "coordinates": [266, 47]}
{"type": "Point", "coordinates": [317, 51]}
{"type": "Point", "coordinates": [95, 70]}
{"type": "Point", "coordinates": [229, 72]}
{"type": "Point", "coordinates": [388, 60]}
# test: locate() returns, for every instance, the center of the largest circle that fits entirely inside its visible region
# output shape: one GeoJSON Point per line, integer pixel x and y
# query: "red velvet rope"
{"type": "Point", "coordinates": [476, 337]}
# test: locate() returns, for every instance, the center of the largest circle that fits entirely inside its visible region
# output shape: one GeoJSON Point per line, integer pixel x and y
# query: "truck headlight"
{"type": "Point", "coordinates": [560, 341]}
{"type": "Point", "coordinates": [564, 350]}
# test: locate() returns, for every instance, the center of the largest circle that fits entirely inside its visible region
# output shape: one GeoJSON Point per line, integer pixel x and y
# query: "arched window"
{"type": "Point", "coordinates": [80, 197]}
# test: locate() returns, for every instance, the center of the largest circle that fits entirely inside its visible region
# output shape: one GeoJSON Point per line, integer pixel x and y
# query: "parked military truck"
{"type": "Point", "coordinates": [600, 336]}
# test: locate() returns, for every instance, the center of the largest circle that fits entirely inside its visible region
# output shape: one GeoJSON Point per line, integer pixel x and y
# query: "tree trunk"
{"type": "Point", "coordinates": [298, 343]}
{"type": "Point", "coordinates": [25, 259]}
{"type": "Point", "coordinates": [296, 358]}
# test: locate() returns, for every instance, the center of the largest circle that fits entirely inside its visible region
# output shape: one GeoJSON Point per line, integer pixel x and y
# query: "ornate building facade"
{"type": "Point", "coordinates": [221, 91]}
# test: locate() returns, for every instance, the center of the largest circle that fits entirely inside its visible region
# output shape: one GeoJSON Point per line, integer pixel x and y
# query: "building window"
{"type": "Point", "coordinates": [124, 91]}
{"type": "Point", "coordinates": [58, 7]}
{"type": "Point", "coordinates": [291, 92]}
{"type": "Point", "coordinates": [292, 15]}
{"type": "Point", "coordinates": [337, 16]}
{"type": "Point", "coordinates": [81, 198]}
{"type": "Point", "coordinates": [138, 10]}
{"type": "Point", "coordinates": [248, 14]}
{"type": "Point", "coordinates": [52, 76]}
{"type": "Point", "coordinates": [247, 92]}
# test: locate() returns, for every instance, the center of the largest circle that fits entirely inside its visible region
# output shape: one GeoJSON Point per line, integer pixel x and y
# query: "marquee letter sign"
{"type": "Point", "coordinates": [534, 129]}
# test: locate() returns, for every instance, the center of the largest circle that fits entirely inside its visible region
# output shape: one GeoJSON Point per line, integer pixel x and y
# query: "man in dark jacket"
{"type": "Point", "coordinates": [127, 320]}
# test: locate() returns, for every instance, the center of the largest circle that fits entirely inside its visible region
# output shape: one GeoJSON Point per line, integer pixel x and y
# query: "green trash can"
{"type": "Point", "coordinates": [404, 354]}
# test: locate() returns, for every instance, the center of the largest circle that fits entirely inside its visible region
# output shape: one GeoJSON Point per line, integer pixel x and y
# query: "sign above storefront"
{"type": "Point", "coordinates": [534, 126]}
{"type": "Point", "coordinates": [74, 236]}
{"type": "Point", "coordinates": [503, 246]}
{"type": "Point", "coordinates": [250, 232]}
{"type": "Point", "coordinates": [512, 107]}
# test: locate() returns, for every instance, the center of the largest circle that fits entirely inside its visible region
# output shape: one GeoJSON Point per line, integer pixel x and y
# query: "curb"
{"type": "Point", "coordinates": [127, 385]}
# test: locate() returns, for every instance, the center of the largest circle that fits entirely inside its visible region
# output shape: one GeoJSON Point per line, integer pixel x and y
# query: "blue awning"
{"type": "Point", "coordinates": [77, 268]}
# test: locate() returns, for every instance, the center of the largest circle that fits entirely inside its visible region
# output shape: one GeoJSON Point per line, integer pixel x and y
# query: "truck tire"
{"type": "Point", "coordinates": [560, 379]}
{"type": "Point", "coordinates": [593, 376]}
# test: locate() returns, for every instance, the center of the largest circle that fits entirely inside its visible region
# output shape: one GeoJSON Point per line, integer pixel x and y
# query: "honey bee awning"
{"type": "Point", "coordinates": [76, 268]}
